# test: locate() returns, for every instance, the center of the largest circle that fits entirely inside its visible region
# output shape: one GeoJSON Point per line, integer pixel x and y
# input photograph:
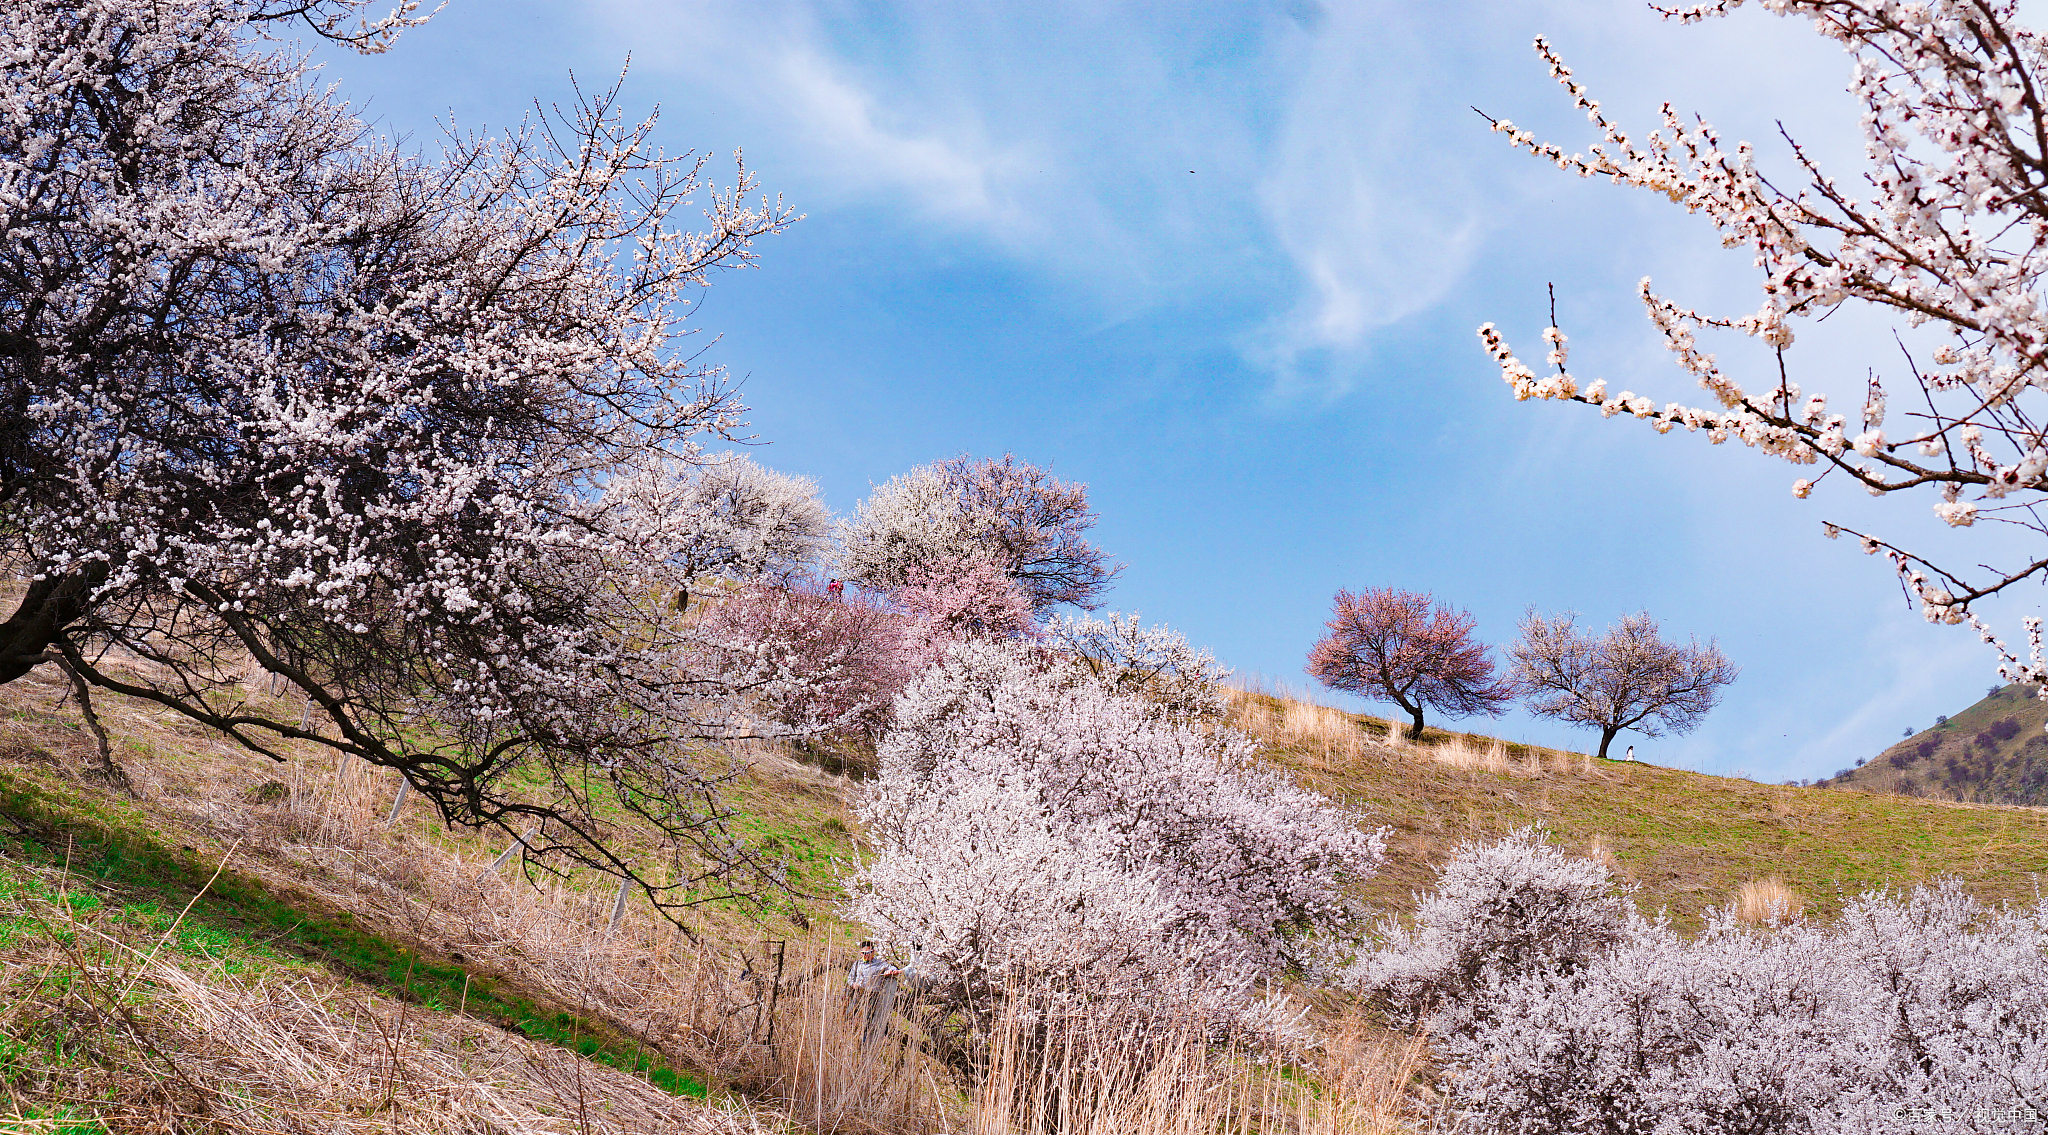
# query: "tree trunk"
{"type": "Point", "coordinates": [51, 604]}
{"type": "Point", "coordinates": [1414, 731]}
{"type": "Point", "coordinates": [1606, 738]}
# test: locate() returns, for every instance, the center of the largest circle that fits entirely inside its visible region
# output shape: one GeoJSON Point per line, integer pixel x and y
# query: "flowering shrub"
{"type": "Point", "coordinates": [1948, 235]}
{"type": "Point", "coordinates": [1502, 911]}
{"type": "Point", "coordinates": [1925, 1013]}
{"type": "Point", "coordinates": [1035, 831]}
{"type": "Point", "coordinates": [1155, 662]}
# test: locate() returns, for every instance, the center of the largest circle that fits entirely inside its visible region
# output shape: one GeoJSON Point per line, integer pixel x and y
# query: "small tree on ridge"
{"type": "Point", "coordinates": [1400, 647]}
{"type": "Point", "coordinates": [1627, 678]}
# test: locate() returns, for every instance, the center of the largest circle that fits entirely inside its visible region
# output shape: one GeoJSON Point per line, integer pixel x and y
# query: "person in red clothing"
{"type": "Point", "coordinates": [834, 588]}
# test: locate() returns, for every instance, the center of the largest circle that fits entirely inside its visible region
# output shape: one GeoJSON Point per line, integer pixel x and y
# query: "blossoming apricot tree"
{"type": "Point", "coordinates": [1012, 513]}
{"type": "Point", "coordinates": [280, 396]}
{"type": "Point", "coordinates": [1946, 227]}
{"type": "Point", "coordinates": [1401, 647]}
{"type": "Point", "coordinates": [1039, 834]}
{"type": "Point", "coordinates": [1626, 678]}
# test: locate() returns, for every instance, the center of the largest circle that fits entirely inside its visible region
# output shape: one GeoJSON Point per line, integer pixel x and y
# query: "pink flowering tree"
{"type": "Point", "coordinates": [1944, 228]}
{"type": "Point", "coordinates": [844, 658]}
{"type": "Point", "coordinates": [286, 400]}
{"type": "Point", "coordinates": [959, 602]}
{"type": "Point", "coordinates": [1037, 834]}
{"type": "Point", "coordinates": [1397, 646]}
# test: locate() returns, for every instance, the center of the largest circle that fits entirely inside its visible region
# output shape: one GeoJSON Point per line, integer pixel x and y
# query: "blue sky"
{"type": "Point", "coordinates": [1224, 264]}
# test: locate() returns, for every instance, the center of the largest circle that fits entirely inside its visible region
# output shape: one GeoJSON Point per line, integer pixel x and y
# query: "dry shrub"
{"type": "Point", "coordinates": [834, 1068]}
{"type": "Point", "coordinates": [1317, 729]}
{"type": "Point", "coordinates": [1182, 1083]}
{"type": "Point", "coordinates": [1764, 901]}
{"type": "Point", "coordinates": [1473, 754]}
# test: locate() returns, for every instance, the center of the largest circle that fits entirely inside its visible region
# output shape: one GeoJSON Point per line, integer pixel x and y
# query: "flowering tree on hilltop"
{"type": "Point", "coordinates": [285, 399]}
{"type": "Point", "coordinates": [1400, 647]}
{"type": "Point", "coordinates": [1628, 678]}
{"type": "Point", "coordinates": [1011, 513]}
{"type": "Point", "coordinates": [1947, 227]}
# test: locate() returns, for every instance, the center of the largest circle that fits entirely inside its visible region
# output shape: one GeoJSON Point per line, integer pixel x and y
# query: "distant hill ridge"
{"type": "Point", "coordinates": [1994, 752]}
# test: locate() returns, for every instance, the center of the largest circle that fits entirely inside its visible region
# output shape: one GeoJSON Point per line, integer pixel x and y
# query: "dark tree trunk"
{"type": "Point", "coordinates": [51, 604]}
{"type": "Point", "coordinates": [1414, 730]}
{"type": "Point", "coordinates": [1607, 738]}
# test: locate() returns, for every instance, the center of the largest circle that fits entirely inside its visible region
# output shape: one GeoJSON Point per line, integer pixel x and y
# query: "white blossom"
{"type": "Point", "coordinates": [1922, 1014]}
{"type": "Point", "coordinates": [1034, 829]}
{"type": "Point", "coordinates": [1944, 226]}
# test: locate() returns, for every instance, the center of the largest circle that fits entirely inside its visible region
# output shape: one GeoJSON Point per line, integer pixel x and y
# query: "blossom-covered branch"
{"type": "Point", "coordinates": [1948, 230]}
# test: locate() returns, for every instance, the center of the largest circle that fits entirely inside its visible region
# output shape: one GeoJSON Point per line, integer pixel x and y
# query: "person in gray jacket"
{"type": "Point", "coordinates": [872, 983]}
{"type": "Point", "coordinates": [870, 973]}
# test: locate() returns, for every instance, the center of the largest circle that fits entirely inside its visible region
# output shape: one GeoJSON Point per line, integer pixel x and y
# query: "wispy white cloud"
{"type": "Point", "coordinates": [850, 138]}
{"type": "Point", "coordinates": [1321, 156]}
{"type": "Point", "coordinates": [1367, 193]}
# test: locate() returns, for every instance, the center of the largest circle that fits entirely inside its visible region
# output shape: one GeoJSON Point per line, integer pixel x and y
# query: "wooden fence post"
{"type": "Point", "coordinates": [619, 906]}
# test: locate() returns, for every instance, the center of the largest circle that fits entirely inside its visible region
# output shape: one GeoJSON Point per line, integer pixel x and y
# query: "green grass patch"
{"type": "Point", "coordinates": [238, 922]}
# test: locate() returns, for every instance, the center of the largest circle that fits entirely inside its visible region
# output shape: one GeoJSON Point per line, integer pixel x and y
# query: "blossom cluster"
{"type": "Point", "coordinates": [1555, 1007]}
{"type": "Point", "coordinates": [1034, 829]}
{"type": "Point", "coordinates": [1152, 661]}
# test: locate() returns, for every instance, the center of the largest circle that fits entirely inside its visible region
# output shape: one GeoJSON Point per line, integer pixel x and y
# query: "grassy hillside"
{"type": "Point", "coordinates": [1994, 752]}
{"type": "Point", "coordinates": [281, 896]}
{"type": "Point", "coordinates": [1686, 839]}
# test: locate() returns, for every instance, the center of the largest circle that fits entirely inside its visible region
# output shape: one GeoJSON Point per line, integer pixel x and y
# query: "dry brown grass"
{"type": "Point", "coordinates": [1765, 901]}
{"type": "Point", "coordinates": [1184, 1085]}
{"type": "Point", "coordinates": [102, 1020]}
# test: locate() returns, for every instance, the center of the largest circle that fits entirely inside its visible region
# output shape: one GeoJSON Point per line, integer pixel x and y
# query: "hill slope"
{"type": "Point", "coordinates": [395, 925]}
{"type": "Point", "coordinates": [1688, 840]}
{"type": "Point", "coordinates": [1994, 752]}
